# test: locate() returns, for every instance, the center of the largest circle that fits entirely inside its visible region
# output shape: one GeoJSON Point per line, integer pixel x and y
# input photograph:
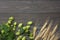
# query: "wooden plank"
{"type": "Point", "coordinates": [29, 0]}
{"type": "Point", "coordinates": [29, 6]}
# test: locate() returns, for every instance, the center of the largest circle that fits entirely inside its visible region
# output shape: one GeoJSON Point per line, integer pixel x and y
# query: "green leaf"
{"type": "Point", "coordinates": [21, 30]}
{"type": "Point", "coordinates": [11, 36]}
{"type": "Point", "coordinates": [5, 28]}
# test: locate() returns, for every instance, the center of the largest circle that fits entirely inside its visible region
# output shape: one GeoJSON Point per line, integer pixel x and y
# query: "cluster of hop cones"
{"type": "Point", "coordinates": [45, 32]}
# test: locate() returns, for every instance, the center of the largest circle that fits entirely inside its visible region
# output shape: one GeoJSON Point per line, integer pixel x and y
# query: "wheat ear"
{"type": "Point", "coordinates": [40, 34]}
{"type": "Point", "coordinates": [34, 31]}
{"type": "Point", "coordinates": [52, 37]}
{"type": "Point", "coordinates": [49, 36]}
{"type": "Point", "coordinates": [44, 25]}
{"type": "Point", "coordinates": [48, 29]}
{"type": "Point", "coordinates": [56, 38]}
{"type": "Point", "coordinates": [54, 30]}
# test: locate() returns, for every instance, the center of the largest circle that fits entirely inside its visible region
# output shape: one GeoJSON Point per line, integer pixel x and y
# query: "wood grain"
{"type": "Point", "coordinates": [24, 11]}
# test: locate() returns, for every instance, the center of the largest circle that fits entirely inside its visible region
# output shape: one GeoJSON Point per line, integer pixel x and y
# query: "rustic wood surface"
{"type": "Point", "coordinates": [24, 11]}
{"type": "Point", "coordinates": [29, 6]}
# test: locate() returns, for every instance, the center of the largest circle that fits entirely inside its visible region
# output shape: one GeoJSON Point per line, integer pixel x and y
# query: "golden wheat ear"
{"type": "Point", "coordinates": [48, 29]}
{"type": "Point", "coordinates": [54, 30]}
{"type": "Point", "coordinates": [49, 35]}
{"type": "Point", "coordinates": [56, 38]}
{"type": "Point", "coordinates": [34, 31]}
{"type": "Point", "coordinates": [52, 37]}
{"type": "Point", "coordinates": [40, 34]}
{"type": "Point", "coordinates": [44, 25]}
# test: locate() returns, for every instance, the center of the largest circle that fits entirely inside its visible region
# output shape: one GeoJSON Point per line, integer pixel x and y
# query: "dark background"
{"type": "Point", "coordinates": [36, 10]}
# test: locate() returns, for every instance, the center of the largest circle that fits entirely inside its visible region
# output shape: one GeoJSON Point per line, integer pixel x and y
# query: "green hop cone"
{"type": "Point", "coordinates": [9, 22]}
{"type": "Point", "coordinates": [31, 37]}
{"type": "Point", "coordinates": [19, 37]}
{"type": "Point", "coordinates": [11, 18]}
{"type": "Point", "coordinates": [24, 38]}
{"type": "Point", "coordinates": [28, 26]}
{"type": "Point", "coordinates": [18, 33]}
{"type": "Point", "coordinates": [26, 31]}
{"type": "Point", "coordinates": [31, 34]}
{"type": "Point", "coordinates": [2, 31]}
{"type": "Point", "coordinates": [7, 25]}
{"type": "Point", "coordinates": [14, 28]}
{"type": "Point", "coordinates": [12, 25]}
{"type": "Point", "coordinates": [29, 22]}
{"type": "Point", "coordinates": [24, 28]}
{"type": "Point", "coordinates": [15, 23]}
{"type": "Point", "coordinates": [20, 25]}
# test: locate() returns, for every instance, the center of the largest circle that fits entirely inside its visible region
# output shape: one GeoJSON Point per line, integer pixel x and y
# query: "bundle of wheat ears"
{"type": "Point", "coordinates": [45, 32]}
